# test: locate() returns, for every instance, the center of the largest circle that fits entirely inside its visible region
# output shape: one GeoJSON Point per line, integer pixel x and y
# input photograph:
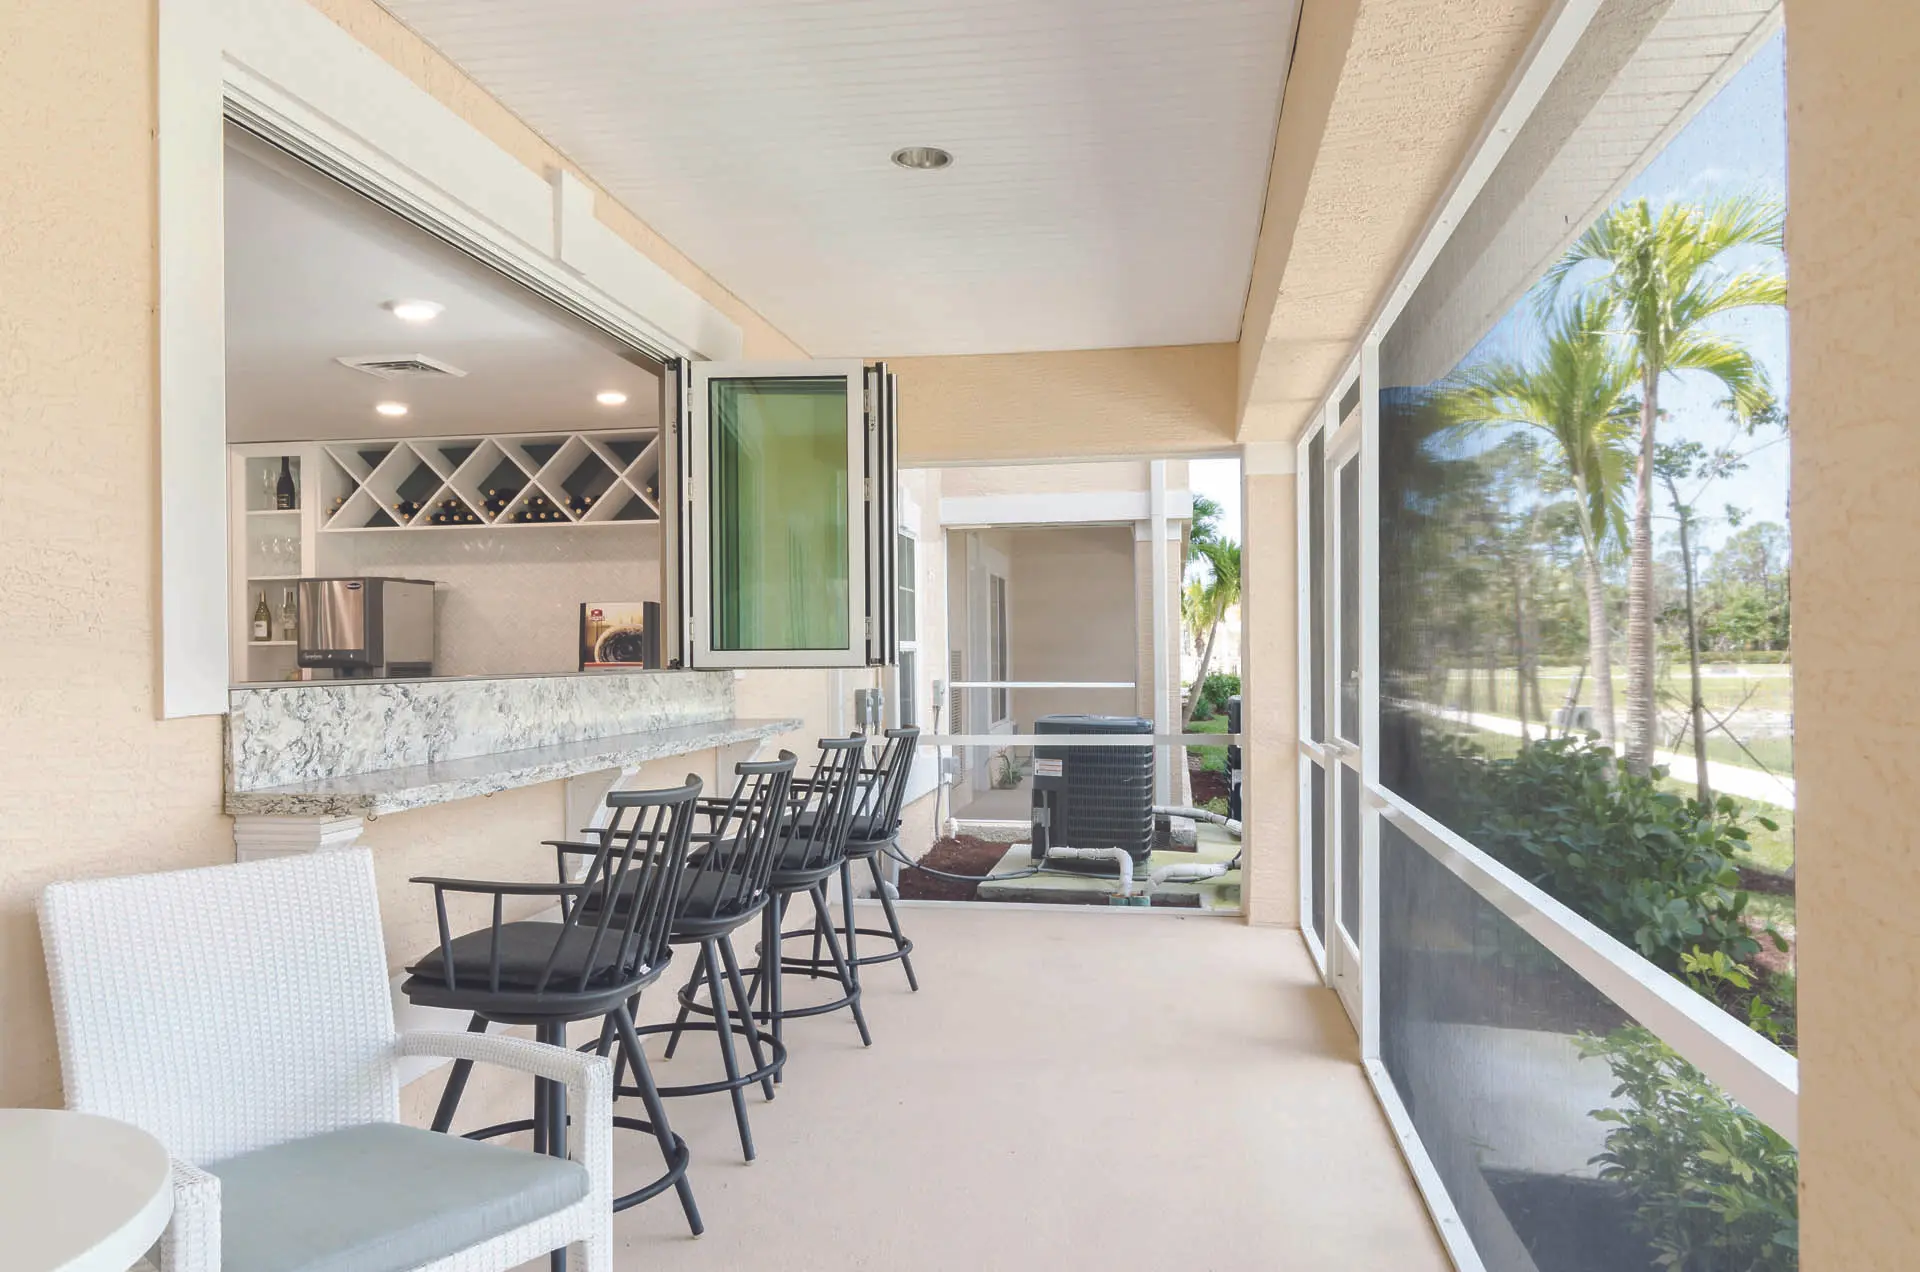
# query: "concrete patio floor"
{"type": "Point", "coordinates": [1070, 1089]}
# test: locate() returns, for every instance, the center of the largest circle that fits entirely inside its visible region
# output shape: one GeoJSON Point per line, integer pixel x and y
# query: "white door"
{"type": "Point", "coordinates": [1342, 819]}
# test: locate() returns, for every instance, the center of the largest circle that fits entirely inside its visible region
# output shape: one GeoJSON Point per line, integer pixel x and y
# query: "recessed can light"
{"type": "Point", "coordinates": [923, 158]}
{"type": "Point", "coordinates": [612, 397]}
{"type": "Point", "coordinates": [392, 408]}
{"type": "Point", "coordinates": [415, 310]}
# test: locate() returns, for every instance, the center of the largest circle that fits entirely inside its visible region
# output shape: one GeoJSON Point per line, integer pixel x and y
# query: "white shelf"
{"type": "Point", "coordinates": [273, 578]}
{"type": "Point", "coordinates": [270, 644]}
{"type": "Point", "coordinates": [364, 481]}
{"type": "Point", "coordinates": [273, 512]}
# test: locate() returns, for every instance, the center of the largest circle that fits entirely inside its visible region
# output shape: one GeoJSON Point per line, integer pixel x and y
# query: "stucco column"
{"type": "Point", "coordinates": [1853, 168]}
{"type": "Point", "coordinates": [1269, 683]}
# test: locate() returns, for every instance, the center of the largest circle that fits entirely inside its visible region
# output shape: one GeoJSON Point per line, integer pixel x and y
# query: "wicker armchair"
{"type": "Point", "coordinates": [241, 1014]}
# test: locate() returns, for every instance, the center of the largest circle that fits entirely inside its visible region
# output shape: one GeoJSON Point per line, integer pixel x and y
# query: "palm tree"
{"type": "Point", "coordinates": [1665, 274]}
{"type": "Point", "coordinates": [1576, 393]}
{"type": "Point", "coordinates": [1206, 604]}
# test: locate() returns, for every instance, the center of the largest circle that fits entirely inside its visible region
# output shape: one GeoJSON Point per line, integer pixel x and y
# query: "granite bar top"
{"type": "Point", "coordinates": [394, 790]}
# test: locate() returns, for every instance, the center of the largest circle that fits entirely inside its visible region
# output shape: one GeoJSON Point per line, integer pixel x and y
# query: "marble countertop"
{"type": "Point", "coordinates": [394, 790]}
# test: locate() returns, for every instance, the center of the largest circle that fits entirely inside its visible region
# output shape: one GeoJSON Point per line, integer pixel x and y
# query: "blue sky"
{"type": "Point", "coordinates": [1737, 144]}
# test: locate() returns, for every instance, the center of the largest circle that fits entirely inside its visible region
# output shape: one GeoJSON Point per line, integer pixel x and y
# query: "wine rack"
{"type": "Point", "coordinates": [526, 481]}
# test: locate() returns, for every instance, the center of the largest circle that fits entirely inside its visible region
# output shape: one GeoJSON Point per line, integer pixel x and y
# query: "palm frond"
{"type": "Point", "coordinates": [1732, 363]}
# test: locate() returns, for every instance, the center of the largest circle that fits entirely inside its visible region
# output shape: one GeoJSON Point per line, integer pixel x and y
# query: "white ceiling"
{"type": "Point", "coordinates": [309, 268]}
{"type": "Point", "coordinates": [1111, 157]}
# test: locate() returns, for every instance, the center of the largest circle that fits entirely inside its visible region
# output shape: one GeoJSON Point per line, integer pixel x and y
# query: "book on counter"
{"type": "Point", "coordinates": [619, 634]}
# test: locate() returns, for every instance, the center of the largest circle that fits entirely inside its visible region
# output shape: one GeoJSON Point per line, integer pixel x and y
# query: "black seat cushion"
{"type": "Point", "coordinates": [524, 951]}
{"type": "Point", "coordinates": [865, 828]}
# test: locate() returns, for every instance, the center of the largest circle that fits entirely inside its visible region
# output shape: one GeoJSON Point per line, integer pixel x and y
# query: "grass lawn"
{"type": "Point", "coordinates": [1722, 687]}
{"type": "Point", "coordinates": [1213, 759]}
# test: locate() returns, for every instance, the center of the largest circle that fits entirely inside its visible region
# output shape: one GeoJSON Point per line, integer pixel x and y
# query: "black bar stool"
{"type": "Point", "coordinates": [813, 846]}
{"type": "Point", "coordinates": [876, 826]}
{"type": "Point", "coordinates": [727, 886]}
{"type": "Point", "coordinates": [590, 965]}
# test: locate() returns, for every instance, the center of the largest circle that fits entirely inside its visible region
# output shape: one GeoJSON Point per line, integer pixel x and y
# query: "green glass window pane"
{"type": "Point", "coordinates": [779, 568]}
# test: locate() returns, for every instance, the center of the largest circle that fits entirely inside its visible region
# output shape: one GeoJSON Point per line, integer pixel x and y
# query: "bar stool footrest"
{"type": "Point", "coordinates": [776, 1057]}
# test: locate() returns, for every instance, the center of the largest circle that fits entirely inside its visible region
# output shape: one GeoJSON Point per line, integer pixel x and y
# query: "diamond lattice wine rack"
{"type": "Point", "coordinates": [526, 481]}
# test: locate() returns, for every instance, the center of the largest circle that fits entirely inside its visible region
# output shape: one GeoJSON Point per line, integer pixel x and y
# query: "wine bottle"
{"type": "Point", "coordinates": [285, 493]}
{"type": "Point", "coordinates": [289, 617]}
{"type": "Point", "coordinates": [262, 618]}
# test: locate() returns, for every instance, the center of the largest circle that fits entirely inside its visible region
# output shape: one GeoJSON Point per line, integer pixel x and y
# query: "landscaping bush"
{"type": "Point", "coordinates": [1714, 1188]}
{"type": "Point", "coordinates": [1654, 869]}
{"type": "Point", "coordinates": [1214, 692]}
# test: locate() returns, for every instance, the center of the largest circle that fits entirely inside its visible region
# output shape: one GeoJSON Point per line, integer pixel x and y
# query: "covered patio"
{"type": "Point", "coordinates": [1070, 1089]}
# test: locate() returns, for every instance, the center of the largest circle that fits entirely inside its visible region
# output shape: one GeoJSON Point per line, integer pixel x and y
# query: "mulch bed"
{"type": "Point", "coordinates": [1206, 785]}
{"type": "Point", "coordinates": [962, 855]}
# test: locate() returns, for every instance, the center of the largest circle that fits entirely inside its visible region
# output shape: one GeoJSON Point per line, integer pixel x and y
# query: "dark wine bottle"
{"type": "Point", "coordinates": [285, 494]}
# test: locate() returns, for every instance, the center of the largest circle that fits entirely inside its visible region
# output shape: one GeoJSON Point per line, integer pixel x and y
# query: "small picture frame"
{"type": "Point", "coordinates": [619, 634]}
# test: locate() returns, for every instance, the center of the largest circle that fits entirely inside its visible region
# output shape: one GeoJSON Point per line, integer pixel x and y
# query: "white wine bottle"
{"type": "Point", "coordinates": [262, 619]}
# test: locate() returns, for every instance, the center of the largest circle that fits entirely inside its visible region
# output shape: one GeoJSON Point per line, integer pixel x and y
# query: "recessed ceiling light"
{"type": "Point", "coordinates": [415, 310]}
{"type": "Point", "coordinates": [392, 408]}
{"type": "Point", "coordinates": [924, 158]}
{"type": "Point", "coordinates": [612, 397]}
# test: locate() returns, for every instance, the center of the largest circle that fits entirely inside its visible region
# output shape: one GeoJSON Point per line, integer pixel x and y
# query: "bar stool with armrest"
{"type": "Point", "coordinates": [813, 844]}
{"type": "Point", "coordinates": [727, 886]}
{"type": "Point", "coordinates": [876, 825]}
{"type": "Point", "coordinates": [589, 966]}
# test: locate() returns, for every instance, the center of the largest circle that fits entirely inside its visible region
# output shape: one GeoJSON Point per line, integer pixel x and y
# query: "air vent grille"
{"type": "Point", "coordinates": [400, 366]}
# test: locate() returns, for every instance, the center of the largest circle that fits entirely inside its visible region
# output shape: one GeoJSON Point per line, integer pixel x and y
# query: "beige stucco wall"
{"type": "Point", "coordinates": [1044, 478]}
{"type": "Point", "coordinates": [91, 782]}
{"type": "Point", "coordinates": [1385, 99]}
{"type": "Point", "coordinates": [1270, 692]}
{"type": "Point", "coordinates": [1091, 404]}
{"type": "Point", "coordinates": [1072, 618]}
{"type": "Point", "coordinates": [1853, 130]}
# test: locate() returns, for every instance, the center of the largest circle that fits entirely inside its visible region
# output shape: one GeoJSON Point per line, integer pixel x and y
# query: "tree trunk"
{"type": "Point", "coordinates": [1200, 677]}
{"type": "Point", "coordinates": [1641, 716]}
{"type": "Point", "coordinates": [1573, 699]}
{"type": "Point", "coordinates": [1702, 787]}
{"type": "Point", "coordinates": [1520, 656]}
{"type": "Point", "coordinates": [1599, 650]}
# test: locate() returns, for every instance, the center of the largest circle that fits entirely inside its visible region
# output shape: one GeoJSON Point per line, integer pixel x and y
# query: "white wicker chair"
{"type": "Point", "coordinates": [230, 1009]}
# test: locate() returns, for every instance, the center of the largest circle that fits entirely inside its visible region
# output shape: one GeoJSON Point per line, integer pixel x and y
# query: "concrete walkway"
{"type": "Point", "coordinates": [1729, 779]}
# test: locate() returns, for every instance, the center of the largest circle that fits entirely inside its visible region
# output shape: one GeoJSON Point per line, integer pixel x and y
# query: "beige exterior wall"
{"type": "Point", "coordinates": [91, 781]}
{"type": "Point", "coordinates": [1382, 105]}
{"type": "Point", "coordinates": [1270, 693]}
{"type": "Point", "coordinates": [1854, 181]}
{"type": "Point", "coordinates": [1071, 599]}
{"type": "Point", "coordinates": [1044, 479]}
{"type": "Point", "coordinates": [1092, 404]}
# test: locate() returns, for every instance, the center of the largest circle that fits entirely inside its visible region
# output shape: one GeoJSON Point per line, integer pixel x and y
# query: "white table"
{"type": "Point", "coordinates": [79, 1193]}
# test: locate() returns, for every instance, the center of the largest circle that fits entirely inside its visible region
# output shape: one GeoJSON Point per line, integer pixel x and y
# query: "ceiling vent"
{"type": "Point", "coordinates": [400, 366]}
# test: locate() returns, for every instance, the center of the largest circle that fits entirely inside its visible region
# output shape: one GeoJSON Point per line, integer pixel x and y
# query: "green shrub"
{"type": "Point", "coordinates": [1215, 690]}
{"type": "Point", "coordinates": [1714, 1188]}
{"type": "Point", "coordinates": [1654, 869]}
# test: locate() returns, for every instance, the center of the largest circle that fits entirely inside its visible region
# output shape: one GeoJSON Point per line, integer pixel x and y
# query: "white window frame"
{"type": "Point", "coordinates": [698, 504]}
{"type": "Point", "coordinates": [999, 643]}
{"type": "Point", "coordinates": [909, 637]}
{"type": "Point", "coordinates": [288, 72]}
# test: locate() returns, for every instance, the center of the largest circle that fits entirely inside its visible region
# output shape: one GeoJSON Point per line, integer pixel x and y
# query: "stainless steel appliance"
{"type": "Point", "coordinates": [366, 628]}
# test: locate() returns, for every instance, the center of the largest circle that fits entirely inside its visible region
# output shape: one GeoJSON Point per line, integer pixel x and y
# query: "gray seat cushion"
{"type": "Point", "coordinates": [380, 1198]}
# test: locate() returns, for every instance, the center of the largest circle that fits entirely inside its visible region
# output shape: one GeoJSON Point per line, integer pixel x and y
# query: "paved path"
{"type": "Point", "coordinates": [1729, 779]}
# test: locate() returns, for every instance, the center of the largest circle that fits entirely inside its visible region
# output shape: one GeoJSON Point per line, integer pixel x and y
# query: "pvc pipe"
{"type": "Point", "coordinates": [1201, 814]}
{"type": "Point", "coordinates": [1120, 857]}
{"type": "Point", "coordinates": [1187, 874]}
